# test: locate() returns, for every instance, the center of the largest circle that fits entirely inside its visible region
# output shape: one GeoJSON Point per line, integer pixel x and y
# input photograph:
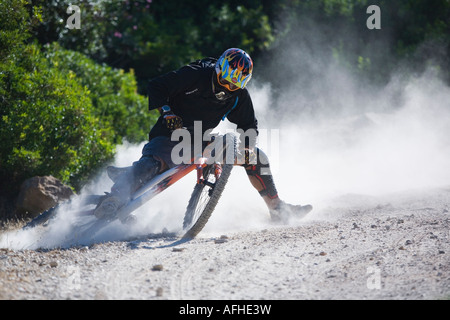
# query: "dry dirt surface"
{"type": "Point", "coordinates": [394, 247]}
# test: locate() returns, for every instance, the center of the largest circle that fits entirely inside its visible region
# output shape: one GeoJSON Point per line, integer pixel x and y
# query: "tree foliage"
{"type": "Point", "coordinates": [61, 112]}
{"type": "Point", "coordinates": [153, 37]}
{"type": "Point", "coordinates": [68, 96]}
{"type": "Point", "coordinates": [47, 124]}
{"type": "Point", "coordinates": [113, 93]}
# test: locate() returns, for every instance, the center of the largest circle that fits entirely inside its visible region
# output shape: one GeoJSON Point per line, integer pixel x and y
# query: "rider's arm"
{"type": "Point", "coordinates": [244, 117]}
{"type": "Point", "coordinates": [161, 88]}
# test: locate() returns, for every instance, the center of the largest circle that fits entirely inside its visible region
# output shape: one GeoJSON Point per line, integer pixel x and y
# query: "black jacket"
{"type": "Point", "coordinates": [189, 93]}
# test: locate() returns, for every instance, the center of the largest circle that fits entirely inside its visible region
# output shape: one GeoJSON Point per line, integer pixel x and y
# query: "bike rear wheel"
{"type": "Point", "coordinates": [52, 212]}
{"type": "Point", "coordinates": [42, 218]}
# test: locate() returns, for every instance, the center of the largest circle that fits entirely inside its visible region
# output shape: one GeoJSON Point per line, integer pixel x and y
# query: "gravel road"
{"type": "Point", "coordinates": [394, 247]}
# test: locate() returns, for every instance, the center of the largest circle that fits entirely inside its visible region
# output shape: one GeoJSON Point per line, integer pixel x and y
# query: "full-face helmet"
{"type": "Point", "coordinates": [234, 69]}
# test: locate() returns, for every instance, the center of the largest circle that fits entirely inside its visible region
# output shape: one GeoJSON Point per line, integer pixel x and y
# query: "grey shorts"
{"type": "Point", "coordinates": [160, 147]}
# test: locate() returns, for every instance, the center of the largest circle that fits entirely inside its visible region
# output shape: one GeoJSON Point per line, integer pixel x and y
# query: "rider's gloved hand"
{"type": "Point", "coordinates": [171, 120]}
{"type": "Point", "coordinates": [250, 156]}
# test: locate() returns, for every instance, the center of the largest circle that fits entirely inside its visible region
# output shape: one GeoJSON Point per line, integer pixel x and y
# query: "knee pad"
{"type": "Point", "coordinates": [261, 171]}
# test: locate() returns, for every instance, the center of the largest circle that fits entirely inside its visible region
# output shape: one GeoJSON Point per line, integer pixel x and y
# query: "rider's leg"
{"type": "Point", "coordinates": [156, 157]}
{"type": "Point", "coordinates": [129, 181]}
{"type": "Point", "coordinates": [262, 180]}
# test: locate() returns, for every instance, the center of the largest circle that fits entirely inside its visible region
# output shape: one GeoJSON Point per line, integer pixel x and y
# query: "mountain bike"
{"type": "Point", "coordinates": [211, 178]}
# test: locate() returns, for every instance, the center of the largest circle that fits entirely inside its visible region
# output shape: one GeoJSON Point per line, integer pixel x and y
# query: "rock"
{"type": "Point", "coordinates": [157, 267]}
{"type": "Point", "coordinates": [38, 194]}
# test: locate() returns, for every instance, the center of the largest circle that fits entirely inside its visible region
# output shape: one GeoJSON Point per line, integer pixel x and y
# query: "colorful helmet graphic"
{"type": "Point", "coordinates": [234, 69]}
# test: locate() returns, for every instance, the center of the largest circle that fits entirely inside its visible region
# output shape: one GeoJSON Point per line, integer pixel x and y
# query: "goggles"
{"type": "Point", "coordinates": [226, 84]}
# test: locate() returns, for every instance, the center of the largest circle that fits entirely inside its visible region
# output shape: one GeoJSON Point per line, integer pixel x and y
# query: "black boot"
{"type": "Point", "coordinates": [127, 182]}
{"type": "Point", "coordinates": [115, 172]}
{"type": "Point", "coordinates": [284, 211]}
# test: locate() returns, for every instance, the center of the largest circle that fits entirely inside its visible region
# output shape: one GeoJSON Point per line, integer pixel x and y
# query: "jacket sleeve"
{"type": "Point", "coordinates": [243, 115]}
{"type": "Point", "coordinates": [162, 88]}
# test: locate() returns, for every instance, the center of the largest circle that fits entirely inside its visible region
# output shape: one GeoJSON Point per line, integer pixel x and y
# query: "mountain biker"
{"type": "Point", "coordinates": [207, 90]}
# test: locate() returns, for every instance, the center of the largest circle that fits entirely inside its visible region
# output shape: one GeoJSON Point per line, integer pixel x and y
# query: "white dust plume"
{"type": "Point", "coordinates": [334, 136]}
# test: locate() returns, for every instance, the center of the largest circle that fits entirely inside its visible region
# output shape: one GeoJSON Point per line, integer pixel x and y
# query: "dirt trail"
{"type": "Point", "coordinates": [395, 247]}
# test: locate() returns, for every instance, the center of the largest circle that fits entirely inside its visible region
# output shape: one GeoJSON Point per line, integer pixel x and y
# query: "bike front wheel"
{"type": "Point", "coordinates": [204, 199]}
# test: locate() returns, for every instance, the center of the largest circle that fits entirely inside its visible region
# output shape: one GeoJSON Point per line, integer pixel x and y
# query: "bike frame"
{"type": "Point", "coordinates": [145, 193]}
{"type": "Point", "coordinates": [160, 183]}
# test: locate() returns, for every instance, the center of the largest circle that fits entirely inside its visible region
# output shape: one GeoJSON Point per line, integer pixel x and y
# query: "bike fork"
{"type": "Point", "coordinates": [201, 166]}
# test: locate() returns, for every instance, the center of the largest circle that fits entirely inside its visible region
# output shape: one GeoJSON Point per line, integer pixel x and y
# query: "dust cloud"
{"type": "Point", "coordinates": [335, 135]}
{"type": "Point", "coordinates": [340, 134]}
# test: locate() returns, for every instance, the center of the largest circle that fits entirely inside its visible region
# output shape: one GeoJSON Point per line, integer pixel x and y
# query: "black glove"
{"type": "Point", "coordinates": [171, 120]}
{"type": "Point", "coordinates": [250, 157]}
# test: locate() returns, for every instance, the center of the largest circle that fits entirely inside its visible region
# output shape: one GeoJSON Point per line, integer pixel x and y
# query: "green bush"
{"type": "Point", "coordinates": [47, 123]}
{"type": "Point", "coordinates": [14, 22]}
{"type": "Point", "coordinates": [61, 113]}
{"type": "Point", "coordinates": [154, 37]}
{"type": "Point", "coordinates": [113, 93]}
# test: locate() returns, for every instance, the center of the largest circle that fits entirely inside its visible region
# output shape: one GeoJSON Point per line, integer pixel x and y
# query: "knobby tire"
{"type": "Point", "coordinates": [51, 213]}
{"type": "Point", "coordinates": [194, 224]}
{"type": "Point", "coordinates": [42, 218]}
{"type": "Point", "coordinates": [210, 206]}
